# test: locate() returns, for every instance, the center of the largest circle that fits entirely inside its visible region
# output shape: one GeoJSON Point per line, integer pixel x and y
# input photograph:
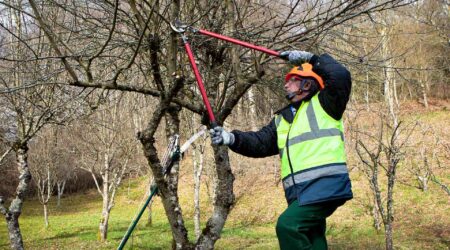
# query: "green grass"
{"type": "Point", "coordinates": [75, 224]}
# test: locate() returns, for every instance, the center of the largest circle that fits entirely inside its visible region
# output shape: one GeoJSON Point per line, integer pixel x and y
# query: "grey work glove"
{"type": "Point", "coordinates": [219, 136]}
{"type": "Point", "coordinates": [297, 57]}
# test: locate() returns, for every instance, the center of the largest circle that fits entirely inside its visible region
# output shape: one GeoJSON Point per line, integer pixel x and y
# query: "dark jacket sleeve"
{"type": "Point", "coordinates": [257, 144]}
{"type": "Point", "coordinates": [338, 84]}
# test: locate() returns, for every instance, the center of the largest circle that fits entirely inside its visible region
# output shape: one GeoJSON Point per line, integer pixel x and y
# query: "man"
{"type": "Point", "coordinates": [308, 136]}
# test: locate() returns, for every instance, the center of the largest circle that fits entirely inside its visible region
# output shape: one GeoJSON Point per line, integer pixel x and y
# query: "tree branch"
{"type": "Point", "coordinates": [5, 154]}
{"type": "Point", "coordinates": [51, 37]}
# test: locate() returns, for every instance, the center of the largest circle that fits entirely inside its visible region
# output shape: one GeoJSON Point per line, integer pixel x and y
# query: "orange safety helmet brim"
{"type": "Point", "coordinates": [305, 70]}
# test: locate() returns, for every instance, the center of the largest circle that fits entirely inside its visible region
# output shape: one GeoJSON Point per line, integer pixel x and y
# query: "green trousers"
{"type": "Point", "coordinates": [303, 227]}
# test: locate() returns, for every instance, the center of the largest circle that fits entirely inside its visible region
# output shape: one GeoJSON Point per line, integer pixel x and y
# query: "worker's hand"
{"type": "Point", "coordinates": [297, 57]}
{"type": "Point", "coordinates": [219, 136]}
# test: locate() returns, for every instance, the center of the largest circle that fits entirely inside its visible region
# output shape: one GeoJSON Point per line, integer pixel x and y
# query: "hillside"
{"type": "Point", "coordinates": [422, 220]}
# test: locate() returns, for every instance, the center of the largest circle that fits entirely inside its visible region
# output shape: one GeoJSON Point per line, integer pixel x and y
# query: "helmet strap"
{"type": "Point", "coordinates": [292, 95]}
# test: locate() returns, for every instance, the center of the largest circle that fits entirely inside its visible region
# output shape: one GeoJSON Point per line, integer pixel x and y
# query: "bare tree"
{"type": "Point", "coordinates": [51, 166]}
{"type": "Point", "coordinates": [63, 173]}
{"type": "Point", "coordinates": [381, 152]}
{"type": "Point", "coordinates": [384, 148]}
{"type": "Point", "coordinates": [134, 50]}
{"type": "Point", "coordinates": [107, 153]}
{"type": "Point", "coordinates": [45, 183]}
{"type": "Point", "coordinates": [28, 107]}
{"type": "Point", "coordinates": [426, 162]}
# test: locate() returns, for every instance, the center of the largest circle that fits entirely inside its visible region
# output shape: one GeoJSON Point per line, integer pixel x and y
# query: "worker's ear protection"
{"type": "Point", "coordinates": [309, 84]}
{"type": "Point", "coordinates": [305, 85]}
{"type": "Point", "coordinates": [313, 87]}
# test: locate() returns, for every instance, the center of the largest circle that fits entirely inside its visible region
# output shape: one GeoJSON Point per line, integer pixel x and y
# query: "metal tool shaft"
{"type": "Point", "coordinates": [239, 42]}
{"type": "Point", "coordinates": [200, 84]}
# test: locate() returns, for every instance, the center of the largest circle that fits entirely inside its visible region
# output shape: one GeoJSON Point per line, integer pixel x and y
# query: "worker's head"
{"type": "Point", "coordinates": [301, 82]}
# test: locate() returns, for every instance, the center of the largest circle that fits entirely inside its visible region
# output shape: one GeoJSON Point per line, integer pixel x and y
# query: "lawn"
{"type": "Point", "coordinates": [422, 220]}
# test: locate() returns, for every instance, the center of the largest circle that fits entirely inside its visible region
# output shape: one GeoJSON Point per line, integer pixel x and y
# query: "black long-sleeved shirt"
{"type": "Point", "coordinates": [333, 98]}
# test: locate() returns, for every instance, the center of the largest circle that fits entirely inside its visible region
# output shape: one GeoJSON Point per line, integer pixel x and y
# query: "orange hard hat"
{"type": "Point", "coordinates": [305, 70]}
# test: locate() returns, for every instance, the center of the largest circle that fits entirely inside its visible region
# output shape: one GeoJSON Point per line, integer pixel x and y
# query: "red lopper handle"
{"type": "Point", "coordinates": [242, 43]}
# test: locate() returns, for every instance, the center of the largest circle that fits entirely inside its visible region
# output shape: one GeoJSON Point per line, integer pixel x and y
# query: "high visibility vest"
{"type": "Point", "coordinates": [313, 161]}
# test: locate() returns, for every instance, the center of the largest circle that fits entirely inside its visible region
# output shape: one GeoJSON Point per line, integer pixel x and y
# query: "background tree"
{"type": "Point", "coordinates": [106, 152]}
{"type": "Point", "coordinates": [43, 170]}
{"type": "Point", "coordinates": [27, 110]}
{"type": "Point", "coordinates": [382, 153]}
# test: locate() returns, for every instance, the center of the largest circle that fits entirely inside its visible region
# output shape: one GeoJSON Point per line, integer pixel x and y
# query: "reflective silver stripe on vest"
{"type": "Point", "coordinates": [315, 131]}
{"type": "Point", "coordinates": [277, 123]}
{"type": "Point", "coordinates": [312, 117]}
{"type": "Point", "coordinates": [278, 120]}
{"type": "Point", "coordinates": [315, 135]}
{"type": "Point", "coordinates": [314, 174]}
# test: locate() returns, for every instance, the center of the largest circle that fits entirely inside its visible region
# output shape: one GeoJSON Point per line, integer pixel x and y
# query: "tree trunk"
{"type": "Point", "coordinates": [15, 209]}
{"type": "Point", "coordinates": [422, 179]}
{"type": "Point", "coordinates": [46, 214]}
{"type": "Point", "coordinates": [15, 236]}
{"type": "Point", "coordinates": [60, 188]}
{"type": "Point", "coordinates": [388, 235]}
{"type": "Point", "coordinates": [421, 75]}
{"type": "Point", "coordinates": [149, 217]}
{"type": "Point", "coordinates": [423, 182]}
{"type": "Point", "coordinates": [394, 90]}
{"type": "Point", "coordinates": [167, 186]}
{"type": "Point", "coordinates": [223, 201]}
{"type": "Point", "coordinates": [252, 108]}
{"type": "Point", "coordinates": [173, 211]}
{"type": "Point", "coordinates": [171, 202]}
{"type": "Point", "coordinates": [103, 228]}
{"type": "Point", "coordinates": [424, 87]}
{"type": "Point", "coordinates": [46, 197]}
{"type": "Point", "coordinates": [149, 207]}
{"type": "Point", "coordinates": [423, 173]}
{"type": "Point", "coordinates": [376, 216]}
{"type": "Point", "coordinates": [198, 167]}
{"type": "Point", "coordinates": [366, 96]}
{"type": "Point", "coordinates": [389, 75]}
{"type": "Point", "coordinates": [442, 185]}
{"type": "Point", "coordinates": [424, 94]}
{"type": "Point", "coordinates": [388, 92]}
{"type": "Point", "coordinates": [393, 156]}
